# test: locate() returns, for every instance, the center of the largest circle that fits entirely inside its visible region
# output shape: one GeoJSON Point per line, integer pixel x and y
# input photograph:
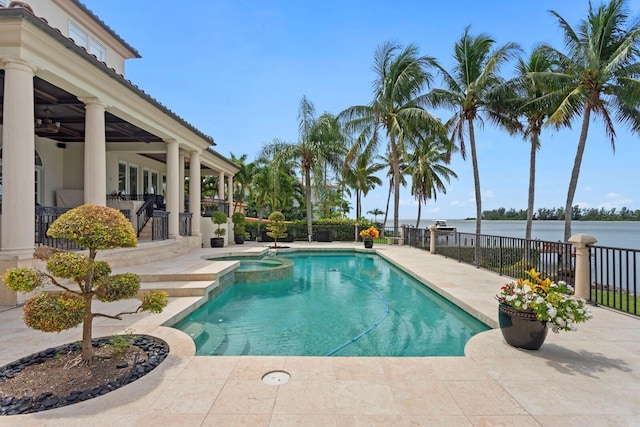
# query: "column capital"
{"type": "Point", "coordinates": [18, 64]}
{"type": "Point", "coordinates": [92, 101]}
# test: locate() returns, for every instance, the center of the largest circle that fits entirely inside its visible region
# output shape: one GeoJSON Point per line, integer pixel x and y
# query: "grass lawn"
{"type": "Point", "coordinates": [620, 301]}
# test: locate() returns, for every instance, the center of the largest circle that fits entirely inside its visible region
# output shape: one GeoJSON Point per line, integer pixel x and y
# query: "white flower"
{"type": "Point", "coordinates": [539, 300]}
{"type": "Point", "coordinates": [552, 312]}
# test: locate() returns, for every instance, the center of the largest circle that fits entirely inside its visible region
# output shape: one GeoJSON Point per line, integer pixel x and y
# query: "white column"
{"type": "Point", "coordinates": [221, 185]}
{"type": "Point", "coordinates": [173, 205]}
{"type": "Point", "coordinates": [95, 158]}
{"type": "Point", "coordinates": [181, 157]}
{"type": "Point", "coordinates": [18, 170]}
{"type": "Point", "coordinates": [230, 194]}
{"type": "Point", "coordinates": [195, 193]}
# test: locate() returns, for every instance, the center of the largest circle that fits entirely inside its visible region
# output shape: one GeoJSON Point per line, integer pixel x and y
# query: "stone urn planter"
{"type": "Point", "coordinates": [521, 329]}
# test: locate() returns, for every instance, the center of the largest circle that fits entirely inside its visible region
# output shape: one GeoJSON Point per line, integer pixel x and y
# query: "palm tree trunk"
{"type": "Point", "coordinates": [419, 213]}
{"type": "Point", "coordinates": [396, 184]}
{"type": "Point", "coordinates": [307, 198]}
{"type": "Point", "coordinates": [573, 183]}
{"type": "Point", "coordinates": [478, 194]}
{"type": "Point", "coordinates": [358, 204]}
{"type": "Point", "coordinates": [532, 182]}
{"type": "Point", "coordinates": [386, 211]}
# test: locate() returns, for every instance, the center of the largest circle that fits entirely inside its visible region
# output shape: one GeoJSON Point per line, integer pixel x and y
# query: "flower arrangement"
{"type": "Point", "coordinates": [370, 233]}
{"type": "Point", "coordinates": [551, 302]}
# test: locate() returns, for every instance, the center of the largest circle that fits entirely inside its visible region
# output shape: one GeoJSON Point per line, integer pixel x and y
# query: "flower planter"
{"type": "Point", "coordinates": [368, 243]}
{"type": "Point", "coordinates": [521, 328]}
{"type": "Point", "coordinates": [217, 242]}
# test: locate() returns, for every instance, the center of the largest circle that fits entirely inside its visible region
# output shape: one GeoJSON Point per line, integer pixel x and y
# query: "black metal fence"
{"type": "Point", "coordinates": [615, 277]}
{"type": "Point", "coordinates": [160, 228]}
{"type": "Point", "coordinates": [185, 223]}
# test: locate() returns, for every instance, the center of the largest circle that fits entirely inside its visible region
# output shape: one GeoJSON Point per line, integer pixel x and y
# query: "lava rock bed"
{"type": "Point", "coordinates": [156, 350]}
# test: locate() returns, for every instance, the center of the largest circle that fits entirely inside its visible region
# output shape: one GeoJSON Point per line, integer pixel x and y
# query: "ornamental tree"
{"type": "Point", "coordinates": [276, 226]}
{"type": "Point", "coordinates": [81, 278]}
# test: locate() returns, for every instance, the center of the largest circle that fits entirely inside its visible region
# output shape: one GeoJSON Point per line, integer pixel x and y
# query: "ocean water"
{"type": "Point", "coordinates": [617, 234]}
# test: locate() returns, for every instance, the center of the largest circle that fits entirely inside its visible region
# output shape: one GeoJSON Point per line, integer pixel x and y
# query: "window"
{"type": "Point", "coordinates": [154, 183]}
{"type": "Point", "coordinates": [84, 39]}
{"type": "Point", "coordinates": [133, 180]}
{"type": "Point", "coordinates": [145, 181]}
{"type": "Point", "coordinates": [122, 178]}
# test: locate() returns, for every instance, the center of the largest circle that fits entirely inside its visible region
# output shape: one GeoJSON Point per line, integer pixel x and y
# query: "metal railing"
{"type": "Point", "coordinates": [45, 216]}
{"type": "Point", "coordinates": [185, 223]}
{"type": "Point", "coordinates": [615, 278]}
{"type": "Point", "coordinates": [144, 214]}
{"type": "Point", "coordinates": [160, 225]}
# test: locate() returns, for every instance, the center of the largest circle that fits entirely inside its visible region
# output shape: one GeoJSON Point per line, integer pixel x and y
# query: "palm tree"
{"type": "Point", "coordinates": [599, 75]}
{"type": "Point", "coordinates": [428, 171]}
{"type": "Point", "coordinates": [320, 145]}
{"type": "Point", "coordinates": [533, 100]}
{"type": "Point", "coordinates": [241, 179]}
{"type": "Point", "coordinates": [375, 212]}
{"type": "Point", "coordinates": [360, 175]}
{"type": "Point", "coordinates": [468, 92]}
{"type": "Point", "coordinates": [401, 76]}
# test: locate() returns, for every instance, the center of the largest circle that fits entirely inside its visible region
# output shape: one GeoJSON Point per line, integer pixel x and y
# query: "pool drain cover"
{"type": "Point", "coordinates": [276, 378]}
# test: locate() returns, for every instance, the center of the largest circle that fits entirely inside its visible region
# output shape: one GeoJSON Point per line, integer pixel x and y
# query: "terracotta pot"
{"type": "Point", "coordinates": [521, 328]}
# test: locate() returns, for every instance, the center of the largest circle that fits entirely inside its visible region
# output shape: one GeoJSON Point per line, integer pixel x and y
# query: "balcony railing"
{"type": "Point", "coordinates": [615, 278]}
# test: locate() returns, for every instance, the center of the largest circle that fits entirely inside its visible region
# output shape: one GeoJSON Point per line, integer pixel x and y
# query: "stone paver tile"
{"type": "Point", "coordinates": [437, 421]}
{"type": "Point", "coordinates": [505, 421]}
{"type": "Point", "coordinates": [254, 368]}
{"type": "Point", "coordinates": [208, 368]}
{"type": "Point", "coordinates": [187, 397]}
{"type": "Point", "coordinates": [484, 398]}
{"type": "Point", "coordinates": [407, 369]}
{"type": "Point", "coordinates": [308, 420]}
{"type": "Point", "coordinates": [245, 397]}
{"type": "Point", "coordinates": [457, 368]}
{"type": "Point", "coordinates": [310, 368]}
{"type": "Point", "coordinates": [575, 397]}
{"type": "Point", "coordinates": [577, 420]}
{"type": "Point", "coordinates": [306, 397]}
{"type": "Point", "coordinates": [369, 420]}
{"type": "Point", "coordinates": [364, 397]}
{"type": "Point", "coordinates": [426, 398]}
{"type": "Point", "coordinates": [360, 368]}
{"type": "Point", "coordinates": [237, 420]}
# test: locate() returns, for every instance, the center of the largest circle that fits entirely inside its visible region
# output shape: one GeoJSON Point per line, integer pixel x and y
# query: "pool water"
{"type": "Point", "coordinates": [332, 305]}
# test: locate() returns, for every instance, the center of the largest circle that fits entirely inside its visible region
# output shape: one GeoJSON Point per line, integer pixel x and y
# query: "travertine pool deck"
{"type": "Point", "coordinates": [589, 377]}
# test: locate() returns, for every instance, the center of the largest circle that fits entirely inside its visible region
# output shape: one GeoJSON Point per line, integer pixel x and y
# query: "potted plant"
{"type": "Point", "coordinates": [238, 228]}
{"type": "Point", "coordinates": [276, 226]}
{"type": "Point", "coordinates": [527, 307]}
{"type": "Point", "coordinates": [368, 234]}
{"type": "Point", "coordinates": [218, 218]}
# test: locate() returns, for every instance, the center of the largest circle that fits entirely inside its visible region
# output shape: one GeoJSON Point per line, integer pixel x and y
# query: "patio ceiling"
{"type": "Point", "coordinates": [58, 105]}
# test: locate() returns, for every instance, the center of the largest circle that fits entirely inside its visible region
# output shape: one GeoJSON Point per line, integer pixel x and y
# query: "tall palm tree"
{"type": "Point", "coordinates": [599, 72]}
{"type": "Point", "coordinates": [468, 92]}
{"type": "Point", "coordinates": [428, 171]}
{"type": "Point", "coordinates": [360, 175]}
{"type": "Point", "coordinates": [401, 76]}
{"type": "Point", "coordinates": [320, 145]}
{"type": "Point", "coordinates": [532, 98]}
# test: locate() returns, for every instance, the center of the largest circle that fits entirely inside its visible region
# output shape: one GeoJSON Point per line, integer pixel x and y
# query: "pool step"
{"type": "Point", "coordinates": [191, 288]}
{"type": "Point", "coordinates": [178, 277]}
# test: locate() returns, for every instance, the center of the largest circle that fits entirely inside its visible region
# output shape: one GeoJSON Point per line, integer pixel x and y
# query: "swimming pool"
{"type": "Point", "coordinates": [339, 304]}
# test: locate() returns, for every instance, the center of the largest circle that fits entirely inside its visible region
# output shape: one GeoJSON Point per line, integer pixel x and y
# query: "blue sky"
{"type": "Point", "coordinates": [237, 71]}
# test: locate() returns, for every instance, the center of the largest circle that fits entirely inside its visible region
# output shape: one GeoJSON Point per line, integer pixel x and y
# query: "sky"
{"type": "Point", "coordinates": [237, 70]}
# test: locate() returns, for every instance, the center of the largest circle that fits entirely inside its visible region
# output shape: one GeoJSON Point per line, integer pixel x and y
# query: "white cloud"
{"type": "Point", "coordinates": [433, 210]}
{"type": "Point", "coordinates": [488, 194]}
{"type": "Point", "coordinates": [613, 196]}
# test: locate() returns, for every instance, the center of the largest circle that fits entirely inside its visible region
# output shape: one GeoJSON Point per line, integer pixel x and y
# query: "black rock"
{"type": "Point", "coordinates": [122, 365]}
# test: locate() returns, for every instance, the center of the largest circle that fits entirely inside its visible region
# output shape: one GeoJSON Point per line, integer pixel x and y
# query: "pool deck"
{"type": "Point", "coordinates": [589, 377]}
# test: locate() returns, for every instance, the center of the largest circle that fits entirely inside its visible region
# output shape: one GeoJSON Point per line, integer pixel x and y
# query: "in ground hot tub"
{"type": "Point", "coordinates": [254, 269]}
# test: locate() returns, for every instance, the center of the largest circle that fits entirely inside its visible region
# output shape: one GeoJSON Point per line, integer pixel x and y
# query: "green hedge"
{"type": "Point", "coordinates": [341, 229]}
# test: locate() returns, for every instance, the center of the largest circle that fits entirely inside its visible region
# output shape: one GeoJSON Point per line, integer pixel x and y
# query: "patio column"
{"type": "Point", "coordinates": [18, 170]}
{"type": "Point", "coordinates": [173, 188]}
{"type": "Point", "coordinates": [221, 185]}
{"type": "Point", "coordinates": [95, 159]}
{"type": "Point", "coordinates": [582, 242]}
{"type": "Point", "coordinates": [182, 157]}
{"type": "Point", "coordinates": [195, 193]}
{"type": "Point", "coordinates": [230, 194]}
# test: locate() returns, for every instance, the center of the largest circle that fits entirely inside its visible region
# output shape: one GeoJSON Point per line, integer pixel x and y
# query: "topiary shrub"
{"type": "Point", "coordinates": [276, 226]}
{"type": "Point", "coordinates": [81, 277]}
